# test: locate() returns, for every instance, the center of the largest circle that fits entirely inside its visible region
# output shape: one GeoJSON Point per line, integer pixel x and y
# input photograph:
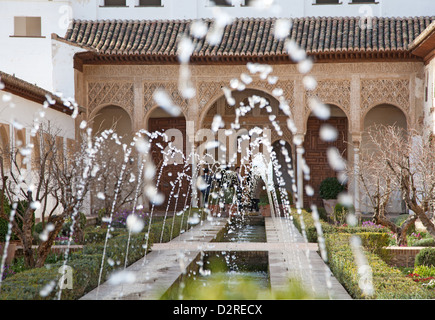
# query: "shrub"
{"type": "Point", "coordinates": [425, 271]}
{"type": "Point", "coordinates": [340, 213]}
{"type": "Point", "coordinates": [86, 264]}
{"type": "Point", "coordinates": [426, 257]}
{"type": "Point", "coordinates": [388, 282]}
{"type": "Point", "coordinates": [426, 242]}
{"type": "Point", "coordinates": [330, 188]}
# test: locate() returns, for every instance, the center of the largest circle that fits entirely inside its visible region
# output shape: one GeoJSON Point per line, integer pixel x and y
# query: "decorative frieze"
{"type": "Point", "coordinates": [388, 91]}
{"type": "Point", "coordinates": [111, 93]}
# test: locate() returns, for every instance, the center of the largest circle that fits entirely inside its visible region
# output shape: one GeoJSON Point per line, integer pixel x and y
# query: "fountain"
{"type": "Point", "coordinates": [226, 193]}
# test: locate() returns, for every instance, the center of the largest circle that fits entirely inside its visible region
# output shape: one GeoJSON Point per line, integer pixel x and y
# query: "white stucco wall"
{"type": "Point", "coordinates": [26, 111]}
{"type": "Point", "coordinates": [63, 67]}
{"type": "Point", "coordinates": [30, 58]}
{"type": "Point", "coordinates": [429, 98]}
{"type": "Point", "coordinates": [196, 9]}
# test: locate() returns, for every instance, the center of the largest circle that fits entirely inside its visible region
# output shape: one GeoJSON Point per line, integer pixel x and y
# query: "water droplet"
{"type": "Point", "coordinates": [309, 190]}
{"type": "Point", "coordinates": [309, 82]}
{"type": "Point", "coordinates": [305, 66]}
{"type": "Point", "coordinates": [165, 102]}
{"type": "Point", "coordinates": [6, 97]}
{"type": "Point", "coordinates": [198, 29]}
{"type": "Point", "coordinates": [134, 223]}
{"type": "Point", "coordinates": [247, 79]}
{"type": "Point", "coordinates": [195, 219]}
{"type": "Point", "coordinates": [121, 277]}
{"type": "Point", "coordinates": [320, 110]}
{"type": "Point", "coordinates": [335, 160]}
{"type": "Point", "coordinates": [282, 28]}
{"type": "Point", "coordinates": [201, 184]}
{"type": "Point", "coordinates": [328, 133]}
{"type": "Point", "coordinates": [185, 49]}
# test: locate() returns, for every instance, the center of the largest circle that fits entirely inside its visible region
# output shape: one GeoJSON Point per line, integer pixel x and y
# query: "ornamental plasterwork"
{"type": "Point", "coordinates": [379, 91]}
{"type": "Point", "coordinates": [171, 89]}
{"type": "Point", "coordinates": [335, 92]}
{"type": "Point", "coordinates": [116, 93]}
{"type": "Point", "coordinates": [207, 91]}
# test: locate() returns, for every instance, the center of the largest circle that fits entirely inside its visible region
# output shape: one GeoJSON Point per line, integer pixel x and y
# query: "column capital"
{"type": "Point", "coordinates": [356, 139]}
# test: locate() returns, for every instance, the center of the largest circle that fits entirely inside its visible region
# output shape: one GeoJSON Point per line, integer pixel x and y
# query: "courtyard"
{"type": "Point", "coordinates": [220, 157]}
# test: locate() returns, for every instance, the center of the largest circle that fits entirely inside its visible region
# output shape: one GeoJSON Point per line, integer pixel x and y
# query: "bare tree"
{"type": "Point", "coordinates": [46, 182]}
{"type": "Point", "coordinates": [116, 182]}
{"type": "Point", "coordinates": [378, 182]}
{"type": "Point", "coordinates": [412, 164]}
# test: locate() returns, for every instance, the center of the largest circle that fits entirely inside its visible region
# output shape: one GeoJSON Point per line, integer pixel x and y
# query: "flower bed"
{"type": "Point", "coordinates": [388, 282]}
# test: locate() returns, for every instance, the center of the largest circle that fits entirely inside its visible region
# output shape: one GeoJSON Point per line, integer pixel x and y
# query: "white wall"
{"type": "Point", "coordinates": [196, 9]}
{"type": "Point", "coordinates": [429, 103]}
{"type": "Point", "coordinates": [30, 58]}
{"type": "Point", "coordinates": [63, 68]}
{"type": "Point", "coordinates": [26, 111]}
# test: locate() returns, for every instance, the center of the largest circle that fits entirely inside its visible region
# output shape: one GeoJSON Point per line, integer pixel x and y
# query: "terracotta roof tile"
{"type": "Point", "coordinates": [32, 92]}
{"type": "Point", "coordinates": [247, 36]}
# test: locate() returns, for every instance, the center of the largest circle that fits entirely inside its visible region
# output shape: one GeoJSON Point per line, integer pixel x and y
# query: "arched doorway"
{"type": "Point", "coordinates": [386, 115]}
{"type": "Point", "coordinates": [110, 159]}
{"type": "Point", "coordinates": [113, 117]}
{"type": "Point", "coordinates": [173, 167]}
{"type": "Point", "coordinates": [248, 129]}
{"type": "Point", "coordinates": [316, 150]}
{"type": "Point", "coordinates": [257, 109]}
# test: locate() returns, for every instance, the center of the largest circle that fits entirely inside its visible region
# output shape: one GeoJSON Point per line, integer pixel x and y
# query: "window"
{"type": "Point", "coordinates": [222, 3]}
{"type": "Point", "coordinates": [115, 3]}
{"type": "Point", "coordinates": [248, 3]}
{"type": "Point", "coordinates": [27, 26]}
{"type": "Point", "coordinates": [327, 1]}
{"type": "Point", "coordinates": [150, 3]}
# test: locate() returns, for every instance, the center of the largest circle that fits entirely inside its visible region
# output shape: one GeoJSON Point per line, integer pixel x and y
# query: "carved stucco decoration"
{"type": "Point", "coordinates": [335, 92]}
{"type": "Point", "coordinates": [209, 91]}
{"type": "Point", "coordinates": [171, 89]}
{"type": "Point", "coordinates": [111, 93]}
{"type": "Point", "coordinates": [379, 91]}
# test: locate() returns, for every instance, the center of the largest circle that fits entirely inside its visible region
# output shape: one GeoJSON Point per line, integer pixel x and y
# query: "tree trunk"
{"type": "Point", "coordinates": [27, 238]}
{"type": "Point", "coordinates": [44, 248]}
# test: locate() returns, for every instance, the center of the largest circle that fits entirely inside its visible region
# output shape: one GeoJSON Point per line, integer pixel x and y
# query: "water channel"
{"type": "Point", "coordinates": [225, 274]}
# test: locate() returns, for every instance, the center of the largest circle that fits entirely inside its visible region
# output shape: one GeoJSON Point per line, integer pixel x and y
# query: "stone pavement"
{"type": "Point", "coordinates": [290, 257]}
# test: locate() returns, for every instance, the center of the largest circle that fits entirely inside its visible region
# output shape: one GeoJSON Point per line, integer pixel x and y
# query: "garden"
{"type": "Point", "coordinates": [23, 283]}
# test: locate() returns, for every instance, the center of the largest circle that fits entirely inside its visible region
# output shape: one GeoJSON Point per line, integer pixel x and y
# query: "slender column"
{"type": "Point", "coordinates": [356, 200]}
{"type": "Point", "coordinates": [300, 173]}
{"type": "Point", "coordinates": [190, 151]}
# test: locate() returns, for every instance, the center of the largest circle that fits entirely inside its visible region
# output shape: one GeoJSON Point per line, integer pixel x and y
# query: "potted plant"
{"type": "Point", "coordinates": [329, 190]}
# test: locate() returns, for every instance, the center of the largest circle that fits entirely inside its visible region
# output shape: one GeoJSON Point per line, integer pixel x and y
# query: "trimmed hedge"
{"type": "Point", "coordinates": [426, 257]}
{"type": "Point", "coordinates": [311, 231]}
{"type": "Point", "coordinates": [388, 282]}
{"type": "Point", "coordinates": [86, 264]}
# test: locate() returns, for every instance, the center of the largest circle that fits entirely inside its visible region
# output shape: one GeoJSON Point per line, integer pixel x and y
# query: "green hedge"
{"type": "Point", "coordinates": [86, 264]}
{"type": "Point", "coordinates": [426, 257]}
{"type": "Point", "coordinates": [311, 231]}
{"type": "Point", "coordinates": [388, 282]}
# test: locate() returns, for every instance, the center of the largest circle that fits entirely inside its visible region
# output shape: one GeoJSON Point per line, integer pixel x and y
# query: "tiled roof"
{"type": "Point", "coordinates": [32, 92]}
{"type": "Point", "coordinates": [247, 37]}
